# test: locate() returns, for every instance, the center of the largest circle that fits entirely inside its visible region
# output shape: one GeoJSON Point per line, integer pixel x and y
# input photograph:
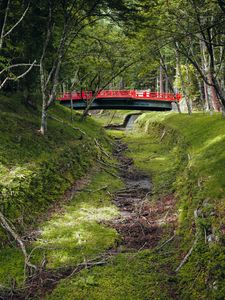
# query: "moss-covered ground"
{"type": "Point", "coordinates": [35, 172]}
{"type": "Point", "coordinates": [72, 235]}
{"type": "Point", "coordinates": [184, 155]}
{"type": "Point", "coordinates": [126, 277]}
{"type": "Point", "coordinates": [199, 185]}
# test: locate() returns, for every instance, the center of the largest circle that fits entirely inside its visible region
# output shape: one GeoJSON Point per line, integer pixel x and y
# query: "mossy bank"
{"type": "Point", "coordinates": [36, 170]}
{"type": "Point", "coordinates": [194, 149]}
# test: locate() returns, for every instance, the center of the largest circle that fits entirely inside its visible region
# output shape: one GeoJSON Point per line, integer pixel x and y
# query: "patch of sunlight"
{"type": "Point", "coordinates": [62, 258]}
{"type": "Point", "coordinates": [84, 213]}
{"type": "Point", "coordinates": [211, 142]}
{"type": "Point", "coordinates": [15, 173]}
{"type": "Point", "coordinates": [161, 158]}
{"type": "Point", "coordinates": [153, 117]}
{"type": "Point", "coordinates": [98, 214]}
{"type": "Point", "coordinates": [76, 237]}
{"type": "Point", "coordinates": [85, 240]}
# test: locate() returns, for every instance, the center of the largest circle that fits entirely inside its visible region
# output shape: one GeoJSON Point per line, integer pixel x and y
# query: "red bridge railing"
{"type": "Point", "coordinates": [129, 94]}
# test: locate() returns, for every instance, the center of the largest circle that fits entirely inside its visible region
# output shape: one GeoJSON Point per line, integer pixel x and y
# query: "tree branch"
{"type": "Point", "coordinates": [17, 23]}
{"type": "Point", "coordinates": [16, 237]}
{"type": "Point", "coordinates": [17, 77]}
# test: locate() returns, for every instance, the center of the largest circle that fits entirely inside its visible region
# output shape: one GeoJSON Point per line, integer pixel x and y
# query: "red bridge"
{"type": "Point", "coordinates": [120, 99]}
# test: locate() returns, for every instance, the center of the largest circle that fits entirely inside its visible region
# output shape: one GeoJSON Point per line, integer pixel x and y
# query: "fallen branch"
{"type": "Point", "coordinates": [110, 173]}
{"type": "Point", "coordinates": [186, 256]}
{"type": "Point", "coordinates": [165, 243]}
{"type": "Point", "coordinates": [93, 191]}
{"type": "Point", "coordinates": [163, 134]}
{"type": "Point", "coordinates": [101, 148]}
{"type": "Point", "coordinates": [87, 265]}
{"type": "Point", "coordinates": [108, 165]}
{"type": "Point", "coordinates": [16, 237]}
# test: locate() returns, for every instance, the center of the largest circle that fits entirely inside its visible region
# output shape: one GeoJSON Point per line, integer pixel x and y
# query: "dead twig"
{"type": "Point", "coordinates": [163, 134]}
{"type": "Point", "coordinates": [101, 148]}
{"type": "Point", "coordinates": [110, 173]}
{"type": "Point", "coordinates": [165, 243]}
{"type": "Point", "coordinates": [95, 191]}
{"type": "Point", "coordinates": [186, 256]}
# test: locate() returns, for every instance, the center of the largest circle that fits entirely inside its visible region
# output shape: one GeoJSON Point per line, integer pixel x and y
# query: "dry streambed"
{"type": "Point", "coordinates": [142, 223]}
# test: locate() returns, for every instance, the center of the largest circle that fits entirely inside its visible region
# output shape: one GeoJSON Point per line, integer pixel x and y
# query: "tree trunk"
{"type": "Point", "coordinates": [161, 86]}
{"type": "Point", "coordinates": [215, 101]}
{"type": "Point", "coordinates": [200, 87]}
{"type": "Point", "coordinates": [43, 128]}
{"type": "Point", "coordinates": [169, 82]}
{"type": "Point", "coordinates": [182, 82]}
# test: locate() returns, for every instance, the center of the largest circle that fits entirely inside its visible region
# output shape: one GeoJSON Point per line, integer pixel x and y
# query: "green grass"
{"type": "Point", "coordinates": [112, 116]}
{"type": "Point", "coordinates": [12, 267]}
{"type": "Point", "coordinates": [183, 155]}
{"type": "Point", "coordinates": [78, 234]}
{"type": "Point", "coordinates": [126, 277]}
{"type": "Point", "coordinates": [142, 275]}
{"type": "Point", "coordinates": [160, 161]}
{"type": "Point", "coordinates": [202, 140]}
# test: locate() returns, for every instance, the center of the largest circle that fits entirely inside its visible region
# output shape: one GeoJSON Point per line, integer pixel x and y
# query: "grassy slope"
{"type": "Point", "coordinates": [35, 171]}
{"type": "Point", "coordinates": [184, 155]}
{"type": "Point", "coordinates": [200, 188]}
{"type": "Point", "coordinates": [31, 165]}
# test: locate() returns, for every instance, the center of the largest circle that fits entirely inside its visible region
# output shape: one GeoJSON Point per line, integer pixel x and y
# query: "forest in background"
{"type": "Point", "coordinates": [48, 47]}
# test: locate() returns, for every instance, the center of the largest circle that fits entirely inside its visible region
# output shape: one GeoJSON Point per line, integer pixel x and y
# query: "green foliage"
{"type": "Point", "coordinates": [189, 81]}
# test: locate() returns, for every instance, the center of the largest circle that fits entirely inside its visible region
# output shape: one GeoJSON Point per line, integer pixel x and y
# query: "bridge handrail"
{"type": "Point", "coordinates": [130, 94]}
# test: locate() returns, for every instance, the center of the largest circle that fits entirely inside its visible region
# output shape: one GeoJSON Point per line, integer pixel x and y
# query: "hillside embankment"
{"type": "Point", "coordinates": [186, 158]}
{"type": "Point", "coordinates": [140, 217]}
{"type": "Point", "coordinates": [36, 170]}
{"type": "Point", "coordinates": [39, 177]}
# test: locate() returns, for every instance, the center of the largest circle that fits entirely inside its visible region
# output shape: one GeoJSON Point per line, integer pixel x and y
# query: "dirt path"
{"type": "Point", "coordinates": [141, 221]}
